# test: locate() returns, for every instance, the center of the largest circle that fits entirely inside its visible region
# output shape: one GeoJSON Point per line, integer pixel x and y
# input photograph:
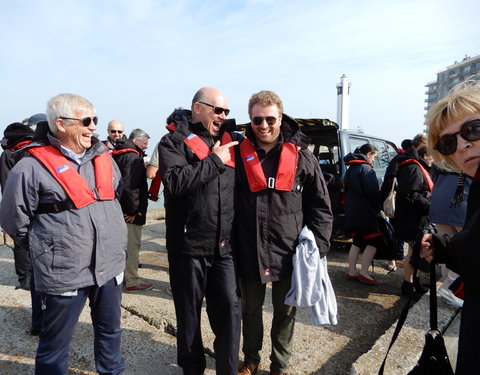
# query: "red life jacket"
{"type": "Point", "coordinates": [157, 180]}
{"type": "Point", "coordinates": [424, 171]}
{"type": "Point", "coordinates": [70, 180]}
{"type": "Point", "coordinates": [286, 171]}
{"type": "Point", "coordinates": [354, 162]}
{"type": "Point", "coordinates": [124, 150]}
{"type": "Point", "coordinates": [201, 149]}
{"type": "Point", "coordinates": [20, 145]}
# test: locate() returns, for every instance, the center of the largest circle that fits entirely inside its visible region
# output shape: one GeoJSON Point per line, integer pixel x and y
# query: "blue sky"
{"type": "Point", "coordinates": [136, 60]}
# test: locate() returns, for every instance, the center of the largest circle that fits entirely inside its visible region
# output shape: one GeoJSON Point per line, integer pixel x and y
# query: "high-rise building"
{"type": "Point", "coordinates": [460, 71]}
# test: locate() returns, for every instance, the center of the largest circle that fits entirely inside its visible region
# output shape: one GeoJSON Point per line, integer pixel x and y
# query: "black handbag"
{"type": "Point", "coordinates": [434, 358]}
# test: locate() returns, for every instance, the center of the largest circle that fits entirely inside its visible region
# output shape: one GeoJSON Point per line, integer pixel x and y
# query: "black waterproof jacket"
{"type": "Point", "coordinates": [269, 221]}
{"type": "Point", "coordinates": [362, 195]}
{"type": "Point", "coordinates": [412, 202]}
{"type": "Point", "coordinates": [199, 203]}
{"type": "Point", "coordinates": [14, 136]}
{"type": "Point", "coordinates": [460, 253]}
{"type": "Point", "coordinates": [134, 198]}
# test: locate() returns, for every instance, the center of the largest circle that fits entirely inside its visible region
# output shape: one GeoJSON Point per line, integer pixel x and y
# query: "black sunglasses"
{"type": "Point", "coordinates": [217, 110]}
{"type": "Point", "coordinates": [447, 144]}
{"type": "Point", "coordinates": [116, 131]}
{"type": "Point", "coordinates": [269, 119]}
{"type": "Point", "coordinates": [86, 121]}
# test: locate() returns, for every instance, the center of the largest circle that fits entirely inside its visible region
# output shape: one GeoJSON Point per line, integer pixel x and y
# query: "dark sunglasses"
{"type": "Point", "coordinates": [447, 144]}
{"type": "Point", "coordinates": [269, 119]}
{"type": "Point", "coordinates": [217, 110]}
{"type": "Point", "coordinates": [116, 131]}
{"type": "Point", "coordinates": [86, 121]}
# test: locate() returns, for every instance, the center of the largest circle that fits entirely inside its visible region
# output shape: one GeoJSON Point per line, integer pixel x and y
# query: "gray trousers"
{"type": "Point", "coordinates": [281, 334]}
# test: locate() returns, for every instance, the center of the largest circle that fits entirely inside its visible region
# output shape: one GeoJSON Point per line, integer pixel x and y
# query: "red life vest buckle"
{"type": "Point", "coordinates": [271, 182]}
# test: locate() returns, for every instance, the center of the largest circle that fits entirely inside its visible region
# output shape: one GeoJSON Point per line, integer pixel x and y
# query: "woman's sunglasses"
{"type": "Point", "coordinates": [447, 144]}
{"type": "Point", "coordinates": [86, 121]}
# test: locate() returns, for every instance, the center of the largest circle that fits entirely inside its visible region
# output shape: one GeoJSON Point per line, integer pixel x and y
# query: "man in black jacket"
{"type": "Point", "coordinates": [280, 189]}
{"type": "Point", "coordinates": [196, 165]}
{"type": "Point", "coordinates": [128, 154]}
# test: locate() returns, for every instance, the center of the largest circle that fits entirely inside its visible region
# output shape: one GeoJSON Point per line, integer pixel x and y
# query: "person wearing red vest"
{"type": "Point", "coordinates": [128, 154]}
{"type": "Point", "coordinates": [16, 137]}
{"type": "Point", "coordinates": [412, 206]}
{"type": "Point", "coordinates": [60, 202]}
{"type": "Point", "coordinates": [196, 165]}
{"type": "Point", "coordinates": [279, 189]}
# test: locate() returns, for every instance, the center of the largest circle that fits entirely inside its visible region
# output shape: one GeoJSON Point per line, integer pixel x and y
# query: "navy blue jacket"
{"type": "Point", "coordinates": [362, 195]}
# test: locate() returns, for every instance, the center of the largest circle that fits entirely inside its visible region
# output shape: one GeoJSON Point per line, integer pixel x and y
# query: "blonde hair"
{"type": "Point", "coordinates": [462, 100]}
{"type": "Point", "coordinates": [265, 98]}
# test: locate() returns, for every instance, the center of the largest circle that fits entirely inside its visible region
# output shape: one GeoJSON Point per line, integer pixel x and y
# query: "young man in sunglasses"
{"type": "Point", "coordinates": [197, 169]}
{"type": "Point", "coordinates": [279, 189]}
{"type": "Point", "coordinates": [60, 203]}
{"type": "Point", "coordinates": [115, 131]}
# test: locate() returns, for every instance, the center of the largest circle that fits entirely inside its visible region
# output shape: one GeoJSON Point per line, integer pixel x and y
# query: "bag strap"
{"type": "Point", "coordinates": [406, 308]}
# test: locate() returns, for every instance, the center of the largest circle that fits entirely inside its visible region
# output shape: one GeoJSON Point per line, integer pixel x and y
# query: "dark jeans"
{"type": "Point", "coordinates": [59, 319]}
{"type": "Point", "coordinates": [253, 295]}
{"type": "Point", "coordinates": [192, 278]}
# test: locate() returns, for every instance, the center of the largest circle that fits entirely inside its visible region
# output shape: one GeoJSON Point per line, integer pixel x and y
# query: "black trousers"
{"type": "Point", "coordinates": [212, 277]}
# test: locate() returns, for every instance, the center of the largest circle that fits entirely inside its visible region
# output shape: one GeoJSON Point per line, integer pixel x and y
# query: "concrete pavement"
{"type": "Point", "coordinates": [355, 346]}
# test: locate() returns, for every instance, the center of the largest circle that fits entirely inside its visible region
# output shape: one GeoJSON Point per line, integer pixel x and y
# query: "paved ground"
{"type": "Point", "coordinates": [355, 346]}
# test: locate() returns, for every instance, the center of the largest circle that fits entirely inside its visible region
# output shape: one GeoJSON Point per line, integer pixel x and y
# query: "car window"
{"type": "Point", "coordinates": [356, 142]}
{"type": "Point", "coordinates": [383, 157]}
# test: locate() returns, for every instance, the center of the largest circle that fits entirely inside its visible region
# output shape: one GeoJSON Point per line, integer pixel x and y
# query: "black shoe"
{"type": "Point", "coordinates": [418, 287]}
{"type": "Point", "coordinates": [35, 332]}
{"type": "Point", "coordinates": [409, 290]}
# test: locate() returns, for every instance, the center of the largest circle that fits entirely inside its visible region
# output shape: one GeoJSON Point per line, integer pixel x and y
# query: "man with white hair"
{"type": "Point", "coordinates": [60, 203]}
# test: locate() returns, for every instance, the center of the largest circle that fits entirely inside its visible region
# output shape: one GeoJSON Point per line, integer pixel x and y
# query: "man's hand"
{"type": "Point", "coordinates": [427, 252]}
{"type": "Point", "coordinates": [223, 152]}
{"type": "Point", "coordinates": [129, 219]}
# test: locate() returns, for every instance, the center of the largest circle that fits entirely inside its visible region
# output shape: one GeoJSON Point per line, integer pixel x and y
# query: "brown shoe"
{"type": "Point", "coordinates": [248, 369]}
{"type": "Point", "coordinates": [278, 373]}
{"type": "Point", "coordinates": [141, 286]}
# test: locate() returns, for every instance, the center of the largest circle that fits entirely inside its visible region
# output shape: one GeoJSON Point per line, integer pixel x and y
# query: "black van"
{"type": "Point", "coordinates": [330, 145]}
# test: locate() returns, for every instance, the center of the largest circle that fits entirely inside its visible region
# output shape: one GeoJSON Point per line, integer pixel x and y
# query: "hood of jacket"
{"type": "Point", "coordinates": [289, 132]}
{"type": "Point", "coordinates": [127, 144]}
{"type": "Point", "coordinates": [15, 133]}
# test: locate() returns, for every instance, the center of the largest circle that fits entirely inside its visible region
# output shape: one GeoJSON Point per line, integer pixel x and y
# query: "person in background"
{"type": "Point", "coordinates": [362, 205]}
{"type": "Point", "coordinates": [390, 174]}
{"type": "Point", "coordinates": [17, 137]}
{"type": "Point", "coordinates": [115, 132]}
{"type": "Point", "coordinates": [129, 154]}
{"type": "Point", "coordinates": [60, 203]}
{"type": "Point", "coordinates": [454, 133]}
{"type": "Point", "coordinates": [279, 189]}
{"type": "Point", "coordinates": [197, 169]}
{"type": "Point", "coordinates": [412, 207]}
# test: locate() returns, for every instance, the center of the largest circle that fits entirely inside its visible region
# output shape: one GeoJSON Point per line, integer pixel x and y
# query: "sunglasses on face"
{"type": "Point", "coordinates": [447, 144]}
{"type": "Point", "coordinates": [116, 131]}
{"type": "Point", "coordinates": [86, 121]}
{"type": "Point", "coordinates": [217, 110]}
{"type": "Point", "coordinates": [259, 120]}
